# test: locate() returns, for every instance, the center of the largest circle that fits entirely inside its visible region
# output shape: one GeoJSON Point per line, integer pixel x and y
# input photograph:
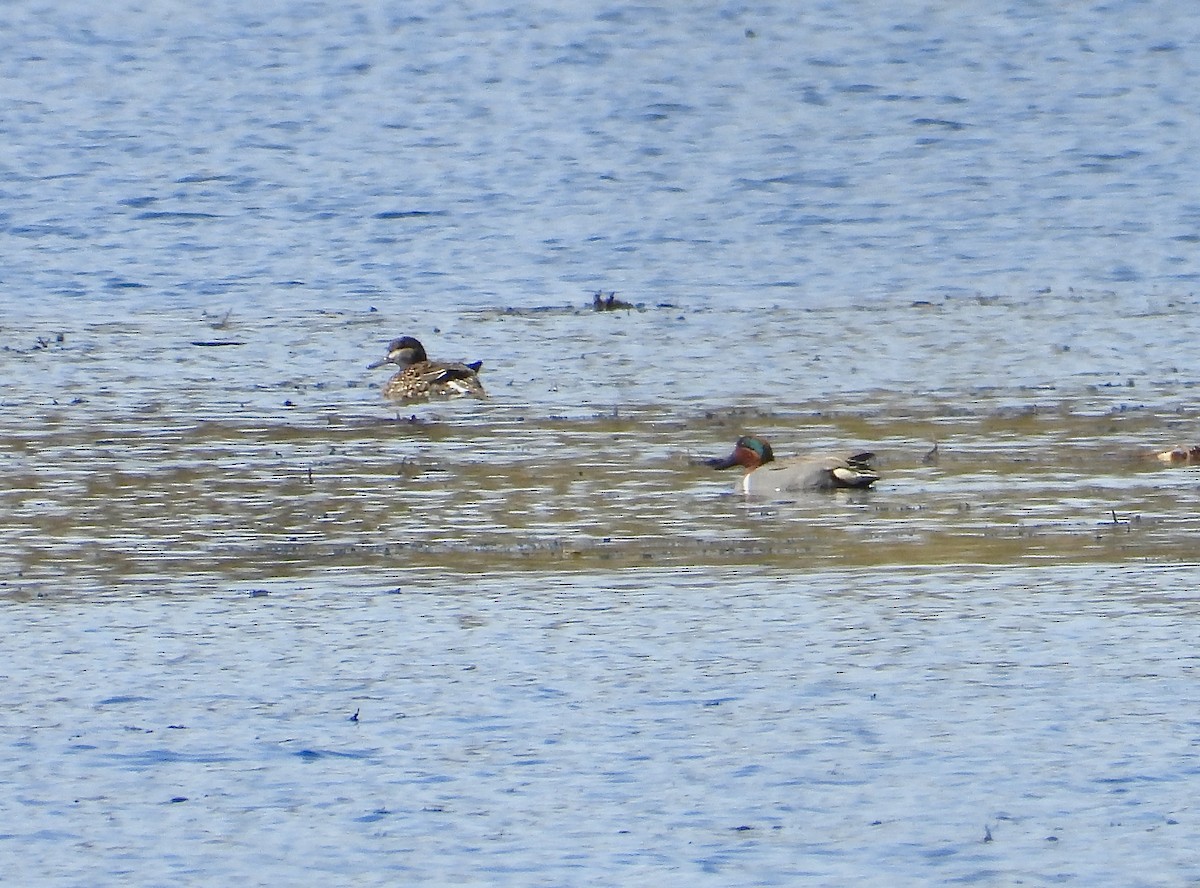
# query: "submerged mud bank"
{"type": "Point", "coordinates": [147, 496]}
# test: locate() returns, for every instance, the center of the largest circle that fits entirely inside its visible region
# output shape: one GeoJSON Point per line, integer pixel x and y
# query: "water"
{"type": "Point", "coordinates": [576, 657]}
{"type": "Point", "coordinates": [627, 727]}
{"type": "Point", "coordinates": [473, 154]}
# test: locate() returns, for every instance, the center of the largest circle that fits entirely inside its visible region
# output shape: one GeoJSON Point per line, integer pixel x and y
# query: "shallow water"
{"type": "Point", "coordinates": [932, 726]}
{"type": "Point", "coordinates": [187, 467]}
{"type": "Point", "coordinates": [576, 656]}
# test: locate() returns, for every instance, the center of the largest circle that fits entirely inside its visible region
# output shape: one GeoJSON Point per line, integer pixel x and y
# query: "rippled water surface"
{"type": "Point", "coordinates": [732, 726]}
{"type": "Point", "coordinates": [576, 656]}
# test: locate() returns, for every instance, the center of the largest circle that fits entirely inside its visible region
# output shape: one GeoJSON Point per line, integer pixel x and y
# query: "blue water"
{"type": "Point", "coordinates": [653, 727]}
{"type": "Point", "coordinates": [887, 225]}
{"type": "Point", "coordinates": [452, 154]}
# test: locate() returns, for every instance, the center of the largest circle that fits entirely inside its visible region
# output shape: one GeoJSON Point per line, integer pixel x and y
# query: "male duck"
{"type": "Point", "coordinates": [421, 379]}
{"type": "Point", "coordinates": [765, 477]}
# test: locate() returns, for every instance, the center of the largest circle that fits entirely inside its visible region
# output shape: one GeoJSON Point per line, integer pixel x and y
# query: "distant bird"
{"type": "Point", "coordinates": [1180, 455]}
{"type": "Point", "coordinates": [764, 476]}
{"type": "Point", "coordinates": [600, 302]}
{"type": "Point", "coordinates": [421, 379]}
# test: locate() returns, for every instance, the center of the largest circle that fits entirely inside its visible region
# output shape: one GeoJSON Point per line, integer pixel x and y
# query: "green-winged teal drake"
{"type": "Point", "coordinates": [766, 477]}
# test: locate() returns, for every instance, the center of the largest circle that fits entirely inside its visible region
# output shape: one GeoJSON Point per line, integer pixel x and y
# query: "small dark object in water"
{"type": "Point", "coordinates": [600, 302]}
{"type": "Point", "coordinates": [408, 214]}
{"type": "Point", "coordinates": [354, 717]}
{"type": "Point", "coordinates": [931, 457]}
{"type": "Point", "coordinates": [218, 323]}
{"type": "Point", "coordinates": [259, 593]}
{"type": "Point", "coordinates": [216, 343]}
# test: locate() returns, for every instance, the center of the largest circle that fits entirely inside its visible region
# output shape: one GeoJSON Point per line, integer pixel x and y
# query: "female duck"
{"type": "Point", "coordinates": [765, 477]}
{"type": "Point", "coordinates": [421, 379]}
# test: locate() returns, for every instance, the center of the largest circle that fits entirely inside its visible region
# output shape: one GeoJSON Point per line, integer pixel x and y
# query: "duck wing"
{"type": "Point", "coordinates": [451, 380]}
{"type": "Point", "coordinates": [814, 473]}
{"type": "Point", "coordinates": [437, 373]}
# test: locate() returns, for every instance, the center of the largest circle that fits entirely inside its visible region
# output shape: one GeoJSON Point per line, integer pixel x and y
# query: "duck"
{"type": "Point", "coordinates": [765, 476]}
{"type": "Point", "coordinates": [1181, 455]}
{"type": "Point", "coordinates": [600, 302]}
{"type": "Point", "coordinates": [421, 379]}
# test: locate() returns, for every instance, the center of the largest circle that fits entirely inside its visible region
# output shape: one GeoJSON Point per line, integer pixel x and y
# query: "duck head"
{"type": "Point", "coordinates": [403, 352]}
{"type": "Point", "coordinates": [750, 452]}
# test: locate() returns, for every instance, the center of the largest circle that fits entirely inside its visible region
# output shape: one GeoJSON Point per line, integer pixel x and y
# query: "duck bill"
{"type": "Point", "coordinates": [379, 363]}
{"type": "Point", "coordinates": [722, 462]}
